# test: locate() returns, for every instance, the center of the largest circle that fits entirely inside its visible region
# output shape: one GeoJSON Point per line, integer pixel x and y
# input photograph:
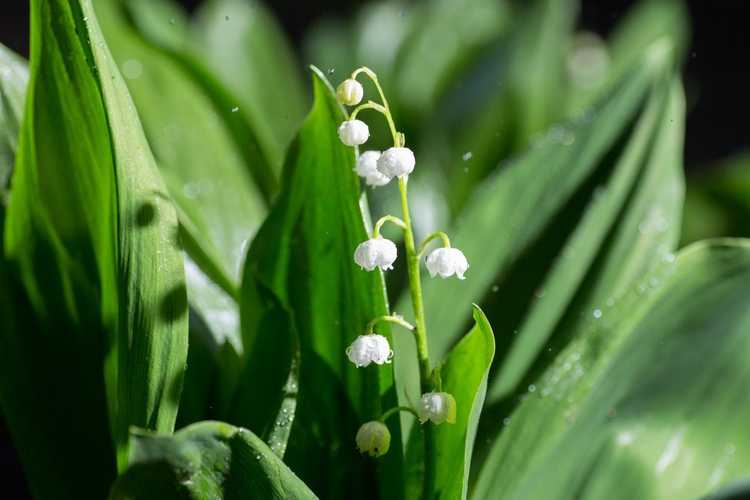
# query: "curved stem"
{"type": "Point", "coordinates": [371, 74]}
{"type": "Point", "coordinates": [398, 320]}
{"type": "Point", "coordinates": [397, 409]}
{"type": "Point", "coordinates": [437, 234]}
{"type": "Point", "coordinates": [387, 218]}
{"type": "Point", "coordinates": [368, 105]}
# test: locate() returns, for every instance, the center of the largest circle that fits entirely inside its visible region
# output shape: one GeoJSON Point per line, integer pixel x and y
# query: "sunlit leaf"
{"type": "Point", "coordinates": [561, 200]}
{"type": "Point", "coordinates": [242, 43]}
{"type": "Point", "coordinates": [92, 236]}
{"type": "Point", "coordinates": [14, 75]}
{"type": "Point", "coordinates": [302, 290]}
{"type": "Point", "coordinates": [650, 403]}
{"type": "Point", "coordinates": [464, 375]}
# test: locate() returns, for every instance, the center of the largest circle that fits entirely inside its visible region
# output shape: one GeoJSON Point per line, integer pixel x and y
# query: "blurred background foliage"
{"type": "Point", "coordinates": [474, 85]}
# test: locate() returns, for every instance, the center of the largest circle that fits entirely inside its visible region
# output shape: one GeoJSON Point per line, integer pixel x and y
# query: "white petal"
{"type": "Point", "coordinates": [396, 162]}
{"type": "Point", "coordinates": [353, 132]}
{"type": "Point", "coordinates": [350, 92]}
{"type": "Point", "coordinates": [367, 163]}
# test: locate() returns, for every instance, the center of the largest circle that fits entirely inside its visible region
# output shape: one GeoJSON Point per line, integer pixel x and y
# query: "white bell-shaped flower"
{"type": "Point", "coordinates": [371, 348]}
{"type": "Point", "coordinates": [373, 438]}
{"type": "Point", "coordinates": [367, 169]}
{"type": "Point", "coordinates": [447, 262]}
{"type": "Point", "coordinates": [354, 132]}
{"type": "Point", "coordinates": [396, 162]}
{"type": "Point", "coordinates": [438, 407]}
{"type": "Point", "coordinates": [350, 92]}
{"type": "Point", "coordinates": [376, 252]}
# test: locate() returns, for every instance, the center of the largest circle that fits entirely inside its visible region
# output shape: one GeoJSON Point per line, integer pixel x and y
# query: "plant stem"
{"type": "Point", "coordinates": [397, 409]}
{"type": "Point", "coordinates": [390, 319]}
{"type": "Point", "coordinates": [415, 285]}
{"type": "Point", "coordinates": [435, 235]}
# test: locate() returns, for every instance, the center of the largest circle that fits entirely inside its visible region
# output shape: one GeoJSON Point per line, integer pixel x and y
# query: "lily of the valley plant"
{"type": "Point", "coordinates": [378, 169]}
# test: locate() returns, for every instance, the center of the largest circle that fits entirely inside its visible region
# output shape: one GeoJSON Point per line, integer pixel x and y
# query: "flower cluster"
{"type": "Point", "coordinates": [378, 169]}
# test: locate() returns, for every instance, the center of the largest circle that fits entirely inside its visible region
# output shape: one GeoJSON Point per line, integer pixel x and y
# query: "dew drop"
{"type": "Point", "coordinates": [467, 156]}
{"type": "Point", "coordinates": [235, 109]}
{"type": "Point", "coordinates": [597, 313]}
{"type": "Point", "coordinates": [532, 388]}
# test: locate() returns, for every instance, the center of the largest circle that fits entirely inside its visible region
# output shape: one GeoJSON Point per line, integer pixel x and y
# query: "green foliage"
{"type": "Point", "coordinates": [464, 375]}
{"type": "Point", "coordinates": [619, 370]}
{"type": "Point", "coordinates": [303, 296]}
{"type": "Point", "coordinates": [206, 460]}
{"type": "Point", "coordinates": [654, 391]}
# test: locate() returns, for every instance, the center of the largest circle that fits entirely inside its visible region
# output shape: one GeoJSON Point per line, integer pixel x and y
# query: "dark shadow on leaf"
{"type": "Point", "coordinates": [174, 304]}
{"type": "Point", "coordinates": [145, 215]}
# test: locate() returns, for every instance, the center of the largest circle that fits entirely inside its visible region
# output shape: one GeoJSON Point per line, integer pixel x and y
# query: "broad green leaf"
{"type": "Point", "coordinates": [464, 375]}
{"type": "Point", "coordinates": [220, 206]}
{"type": "Point", "coordinates": [518, 225]}
{"type": "Point", "coordinates": [444, 37]}
{"type": "Point", "coordinates": [302, 291]}
{"type": "Point", "coordinates": [625, 412]}
{"type": "Point", "coordinates": [242, 43]}
{"type": "Point", "coordinates": [518, 92]}
{"type": "Point", "coordinates": [93, 237]}
{"type": "Point", "coordinates": [165, 25]}
{"type": "Point", "coordinates": [191, 144]}
{"type": "Point", "coordinates": [612, 251]}
{"type": "Point", "coordinates": [718, 200]}
{"type": "Point", "coordinates": [208, 460]}
{"type": "Point", "coordinates": [14, 75]}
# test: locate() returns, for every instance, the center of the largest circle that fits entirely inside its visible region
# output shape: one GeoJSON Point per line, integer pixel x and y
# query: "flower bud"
{"type": "Point", "coordinates": [373, 438]}
{"type": "Point", "coordinates": [375, 252]}
{"type": "Point", "coordinates": [354, 132]}
{"type": "Point", "coordinates": [396, 162]}
{"type": "Point", "coordinates": [350, 92]}
{"type": "Point", "coordinates": [438, 407]}
{"type": "Point", "coordinates": [371, 348]}
{"type": "Point", "coordinates": [447, 262]}
{"type": "Point", "coordinates": [367, 168]}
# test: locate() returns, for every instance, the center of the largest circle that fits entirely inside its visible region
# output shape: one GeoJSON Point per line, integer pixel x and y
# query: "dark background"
{"type": "Point", "coordinates": [717, 78]}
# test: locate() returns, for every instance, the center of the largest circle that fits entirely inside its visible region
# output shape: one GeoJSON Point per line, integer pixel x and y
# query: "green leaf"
{"type": "Point", "coordinates": [93, 237]}
{"type": "Point", "coordinates": [445, 36]}
{"type": "Point", "coordinates": [518, 91]}
{"type": "Point", "coordinates": [651, 403]}
{"type": "Point", "coordinates": [242, 43]}
{"type": "Point", "coordinates": [14, 75]}
{"type": "Point", "coordinates": [165, 25]}
{"type": "Point", "coordinates": [464, 375]}
{"type": "Point", "coordinates": [302, 291]}
{"type": "Point", "coordinates": [616, 241]}
{"type": "Point", "coordinates": [566, 212]}
{"type": "Point", "coordinates": [206, 460]}
{"type": "Point", "coordinates": [192, 144]}
{"type": "Point", "coordinates": [220, 207]}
